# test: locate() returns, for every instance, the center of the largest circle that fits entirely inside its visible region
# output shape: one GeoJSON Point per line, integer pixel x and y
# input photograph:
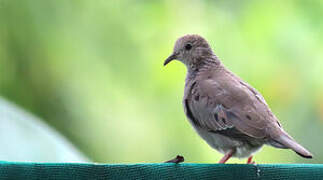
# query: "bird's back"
{"type": "Point", "coordinates": [219, 86]}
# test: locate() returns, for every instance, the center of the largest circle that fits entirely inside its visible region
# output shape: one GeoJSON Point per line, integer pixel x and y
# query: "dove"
{"type": "Point", "coordinates": [228, 113]}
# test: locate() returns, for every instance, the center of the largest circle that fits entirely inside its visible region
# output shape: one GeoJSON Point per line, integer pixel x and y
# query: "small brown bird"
{"type": "Point", "coordinates": [229, 114]}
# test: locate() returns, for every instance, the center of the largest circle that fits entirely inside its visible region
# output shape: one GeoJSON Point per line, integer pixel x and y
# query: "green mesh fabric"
{"type": "Point", "coordinates": [12, 170]}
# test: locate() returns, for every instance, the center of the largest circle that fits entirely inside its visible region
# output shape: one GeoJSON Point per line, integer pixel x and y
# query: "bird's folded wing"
{"type": "Point", "coordinates": [217, 106]}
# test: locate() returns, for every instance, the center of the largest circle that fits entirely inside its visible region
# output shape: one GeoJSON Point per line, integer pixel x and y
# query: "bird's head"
{"type": "Point", "coordinates": [191, 50]}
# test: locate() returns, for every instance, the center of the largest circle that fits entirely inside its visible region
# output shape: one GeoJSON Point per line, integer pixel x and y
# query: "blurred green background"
{"type": "Point", "coordinates": [93, 70]}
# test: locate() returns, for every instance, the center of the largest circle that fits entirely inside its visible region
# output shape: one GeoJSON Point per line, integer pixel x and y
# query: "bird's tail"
{"type": "Point", "coordinates": [286, 141]}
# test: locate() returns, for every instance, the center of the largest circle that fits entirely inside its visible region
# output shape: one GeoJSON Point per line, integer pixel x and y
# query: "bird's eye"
{"type": "Point", "coordinates": [188, 47]}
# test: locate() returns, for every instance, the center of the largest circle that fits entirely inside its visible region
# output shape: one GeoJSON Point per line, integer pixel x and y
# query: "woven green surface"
{"type": "Point", "coordinates": [11, 170]}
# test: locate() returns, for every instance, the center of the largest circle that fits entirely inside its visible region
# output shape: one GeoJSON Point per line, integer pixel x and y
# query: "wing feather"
{"type": "Point", "coordinates": [228, 103]}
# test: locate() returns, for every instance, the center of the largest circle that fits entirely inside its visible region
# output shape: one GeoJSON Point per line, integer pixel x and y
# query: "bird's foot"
{"type": "Point", "coordinates": [250, 161]}
{"type": "Point", "coordinates": [177, 159]}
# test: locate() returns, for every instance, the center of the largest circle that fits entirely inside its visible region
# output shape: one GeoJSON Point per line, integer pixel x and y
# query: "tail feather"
{"type": "Point", "coordinates": [285, 141]}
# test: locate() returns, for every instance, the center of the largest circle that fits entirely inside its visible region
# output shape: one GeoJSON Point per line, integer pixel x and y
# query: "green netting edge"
{"type": "Point", "coordinates": [17, 170]}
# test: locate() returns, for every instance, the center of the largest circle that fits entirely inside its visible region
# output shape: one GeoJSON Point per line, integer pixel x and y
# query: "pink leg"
{"type": "Point", "coordinates": [226, 157]}
{"type": "Point", "coordinates": [250, 160]}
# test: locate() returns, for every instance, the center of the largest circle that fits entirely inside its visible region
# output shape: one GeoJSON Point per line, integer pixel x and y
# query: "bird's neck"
{"type": "Point", "coordinates": [203, 63]}
{"type": "Point", "coordinates": [199, 65]}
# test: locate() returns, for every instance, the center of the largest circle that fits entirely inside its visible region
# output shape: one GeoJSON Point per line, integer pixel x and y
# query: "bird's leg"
{"type": "Point", "coordinates": [226, 157]}
{"type": "Point", "coordinates": [250, 161]}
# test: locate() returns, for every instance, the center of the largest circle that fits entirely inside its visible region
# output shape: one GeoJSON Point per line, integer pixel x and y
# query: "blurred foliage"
{"type": "Point", "coordinates": [93, 70]}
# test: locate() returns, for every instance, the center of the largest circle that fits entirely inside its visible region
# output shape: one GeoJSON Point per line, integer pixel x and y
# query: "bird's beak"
{"type": "Point", "coordinates": [170, 58]}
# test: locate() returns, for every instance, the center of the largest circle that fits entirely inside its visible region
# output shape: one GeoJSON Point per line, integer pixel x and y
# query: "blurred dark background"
{"type": "Point", "coordinates": [93, 70]}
